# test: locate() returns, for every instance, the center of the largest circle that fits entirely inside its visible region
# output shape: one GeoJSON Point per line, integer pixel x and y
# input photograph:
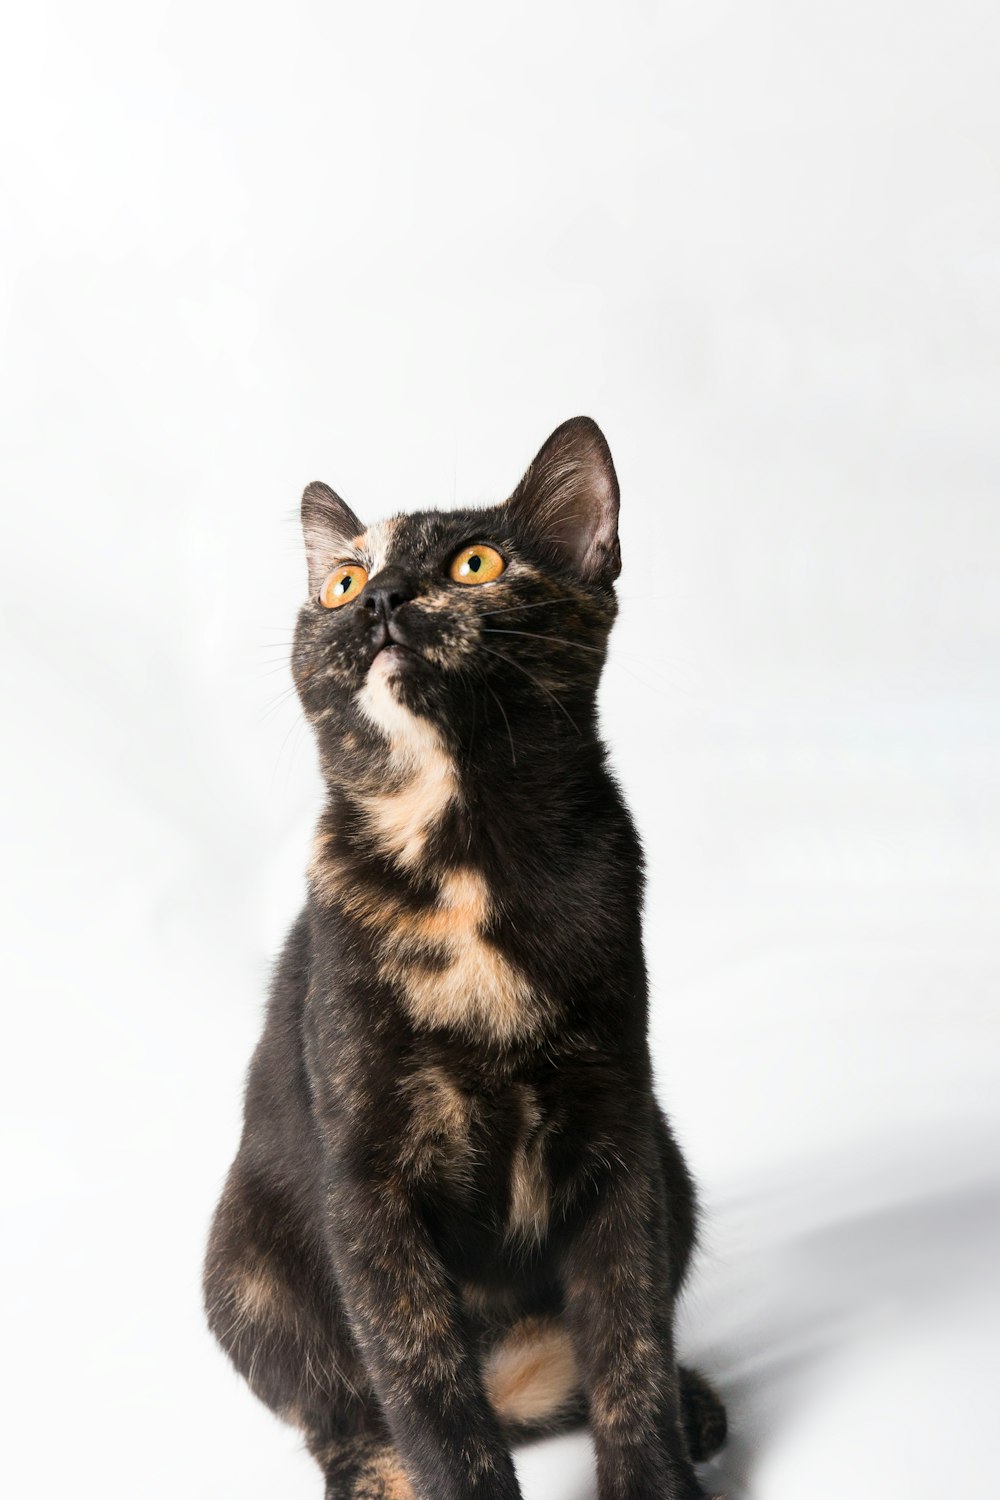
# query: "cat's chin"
{"type": "Point", "coordinates": [382, 699]}
{"type": "Point", "coordinates": [388, 662]}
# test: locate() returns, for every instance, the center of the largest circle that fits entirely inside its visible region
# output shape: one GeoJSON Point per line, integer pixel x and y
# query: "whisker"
{"type": "Point", "coordinates": [278, 702]}
{"type": "Point", "coordinates": [516, 608]}
{"type": "Point", "coordinates": [535, 635]}
{"type": "Point", "coordinates": [614, 652]}
{"type": "Point", "coordinates": [480, 674]}
{"type": "Point", "coordinates": [513, 757]}
{"type": "Point", "coordinates": [532, 678]}
{"type": "Point", "coordinates": [281, 666]}
{"type": "Point", "coordinates": [289, 735]}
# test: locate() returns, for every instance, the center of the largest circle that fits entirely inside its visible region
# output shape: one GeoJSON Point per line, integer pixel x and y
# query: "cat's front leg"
{"type": "Point", "coordinates": [408, 1325]}
{"type": "Point", "coordinates": [620, 1315]}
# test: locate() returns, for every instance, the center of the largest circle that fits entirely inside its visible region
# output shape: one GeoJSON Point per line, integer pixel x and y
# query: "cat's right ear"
{"type": "Point", "coordinates": [329, 530]}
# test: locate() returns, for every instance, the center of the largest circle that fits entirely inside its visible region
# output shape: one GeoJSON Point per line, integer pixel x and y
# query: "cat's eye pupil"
{"type": "Point", "coordinates": [475, 563]}
{"type": "Point", "coordinates": [345, 584]}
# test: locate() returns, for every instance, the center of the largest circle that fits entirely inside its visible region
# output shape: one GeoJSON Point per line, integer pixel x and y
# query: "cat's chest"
{"type": "Point", "coordinates": [445, 954]}
{"type": "Point", "coordinates": [445, 962]}
{"type": "Point", "coordinates": [436, 928]}
{"type": "Point", "coordinates": [487, 1148]}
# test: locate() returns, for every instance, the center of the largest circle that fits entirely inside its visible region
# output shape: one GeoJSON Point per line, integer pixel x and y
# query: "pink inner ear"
{"type": "Point", "coordinates": [569, 499]}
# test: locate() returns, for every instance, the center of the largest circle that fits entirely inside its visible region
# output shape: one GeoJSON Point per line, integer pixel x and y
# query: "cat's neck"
{"type": "Point", "coordinates": [401, 789]}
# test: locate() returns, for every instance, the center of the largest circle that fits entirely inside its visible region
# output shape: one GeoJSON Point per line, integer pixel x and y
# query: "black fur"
{"type": "Point", "coordinates": [457, 1216]}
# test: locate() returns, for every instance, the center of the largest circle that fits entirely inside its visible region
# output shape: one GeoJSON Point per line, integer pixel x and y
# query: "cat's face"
{"type": "Point", "coordinates": [466, 620]}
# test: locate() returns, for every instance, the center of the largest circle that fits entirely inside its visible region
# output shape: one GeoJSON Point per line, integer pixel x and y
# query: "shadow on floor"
{"type": "Point", "coordinates": [799, 1277]}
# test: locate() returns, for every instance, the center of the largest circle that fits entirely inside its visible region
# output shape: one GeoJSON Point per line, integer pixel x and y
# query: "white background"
{"type": "Point", "coordinates": [392, 247]}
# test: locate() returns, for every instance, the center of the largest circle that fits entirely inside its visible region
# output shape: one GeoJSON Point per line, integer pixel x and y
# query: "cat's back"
{"type": "Point", "coordinates": [277, 1103]}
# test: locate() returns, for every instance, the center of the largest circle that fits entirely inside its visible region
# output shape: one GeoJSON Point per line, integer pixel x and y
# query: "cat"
{"type": "Point", "coordinates": [457, 1217]}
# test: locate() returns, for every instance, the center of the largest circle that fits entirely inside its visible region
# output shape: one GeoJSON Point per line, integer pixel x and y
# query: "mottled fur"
{"type": "Point", "coordinates": [457, 1216]}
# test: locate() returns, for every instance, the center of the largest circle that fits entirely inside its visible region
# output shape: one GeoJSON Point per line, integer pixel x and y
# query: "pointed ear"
{"type": "Point", "coordinates": [568, 500]}
{"type": "Point", "coordinates": [328, 529]}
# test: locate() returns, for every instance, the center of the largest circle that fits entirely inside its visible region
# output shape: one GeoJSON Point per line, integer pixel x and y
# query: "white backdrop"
{"type": "Point", "coordinates": [392, 247]}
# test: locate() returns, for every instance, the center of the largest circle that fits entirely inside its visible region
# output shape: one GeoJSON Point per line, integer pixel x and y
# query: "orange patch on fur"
{"type": "Point", "coordinates": [400, 820]}
{"type": "Point", "coordinates": [532, 1372]}
{"type": "Point", "coordinates": [425, 775]}
{"type": "Point", "coordinates": [478, 989]}
{"type": "Point", "coordinates": [323, 870]}
{"type": "Point", "coordinates": [462, 908]}
{"type": "Point", "coordinates": [383, 1478]}
{"type": "Point", "coordinates": [259, 1296]}
{"type": "Point", "coordinates": [440, 1117]}
{"type": "Point", "coordinates": [528, 1216]}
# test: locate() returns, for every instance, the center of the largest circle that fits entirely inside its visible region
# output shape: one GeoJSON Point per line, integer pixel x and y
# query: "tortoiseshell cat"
{"type": "Point", "coordinates": [457, 1217]}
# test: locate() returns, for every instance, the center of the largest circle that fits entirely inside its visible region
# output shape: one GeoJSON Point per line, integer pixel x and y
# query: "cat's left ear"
{"type": "Point", "coordinates": [329, 528]}
{"type": "Point", "coordinates": [568, 500]}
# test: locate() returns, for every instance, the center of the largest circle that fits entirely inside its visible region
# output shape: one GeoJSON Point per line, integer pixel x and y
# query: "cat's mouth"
{"type": "Point", "coordinates": [392, 651]}
{"type": "Point", "coordinates": [388, 646]}
{"type": "Point", "coordinates": [384, 632]}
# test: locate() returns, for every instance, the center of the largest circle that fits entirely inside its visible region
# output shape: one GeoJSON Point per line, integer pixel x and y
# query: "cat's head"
{"type": "Point", "coordinates": [476, 622]}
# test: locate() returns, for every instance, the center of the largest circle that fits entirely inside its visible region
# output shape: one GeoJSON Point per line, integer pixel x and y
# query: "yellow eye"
{"type": "Point", "coordinates": [478, 564]}
{"type": "Point", "coordinates": [344, 584]}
